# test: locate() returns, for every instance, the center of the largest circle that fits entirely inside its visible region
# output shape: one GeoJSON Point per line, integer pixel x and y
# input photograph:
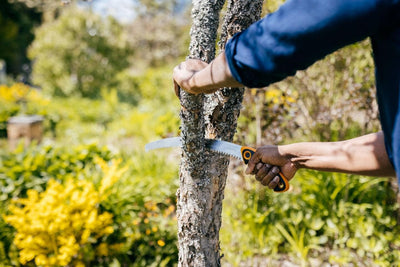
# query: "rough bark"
{"type": "Point", "coordinates": [221, 111]}
{"type": "Point", "coordinates": [203, 174]}
{"type": "Point", "coordinates": [223, 107]}
{"type": "Point", "coordinates": [195, 243]}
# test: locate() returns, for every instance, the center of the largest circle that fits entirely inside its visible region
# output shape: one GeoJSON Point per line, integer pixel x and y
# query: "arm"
{"type": "Point", "coordinates": [365, 155]}
{"type": "Point", "coordinates": [299, 33]}
{"type": "Point", "coordinates": [196, 76]}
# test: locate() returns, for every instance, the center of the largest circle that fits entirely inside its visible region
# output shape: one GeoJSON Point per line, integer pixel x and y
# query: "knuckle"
{"type": "Point", "coordinates": [265, 181]}
{"type": "Point", "coordinates": [275, 170]}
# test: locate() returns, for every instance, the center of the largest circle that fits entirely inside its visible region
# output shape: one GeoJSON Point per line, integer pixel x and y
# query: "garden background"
{"type": "Point", "coordinates": [88, 194]}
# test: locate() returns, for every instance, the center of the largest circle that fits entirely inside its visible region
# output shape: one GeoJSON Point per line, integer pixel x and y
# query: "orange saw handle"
{"type": "Point", "coordinates": [283, 185]}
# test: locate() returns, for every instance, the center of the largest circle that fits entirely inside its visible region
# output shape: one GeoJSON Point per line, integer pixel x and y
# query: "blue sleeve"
{"type": "Point", "coordinates": [299, 33]}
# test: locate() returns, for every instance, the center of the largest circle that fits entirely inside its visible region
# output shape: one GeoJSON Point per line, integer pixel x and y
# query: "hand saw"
{"type": "Point", "coordinates": [241, 152]}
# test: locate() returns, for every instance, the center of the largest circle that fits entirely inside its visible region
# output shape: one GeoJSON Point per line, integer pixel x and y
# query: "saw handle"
{"type": "Point", "coordinates": [283, 185]}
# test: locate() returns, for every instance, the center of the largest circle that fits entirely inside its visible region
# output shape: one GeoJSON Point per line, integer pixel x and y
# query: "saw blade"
{"type": "Point", "coordinates": [163, 143]}
{"type": "Point", "coordinates": [227, 148]}
{"type": "Point", "coordinates": [222, 147]}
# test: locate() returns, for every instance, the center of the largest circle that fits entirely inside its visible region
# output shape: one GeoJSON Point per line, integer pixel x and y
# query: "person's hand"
{"type": "Point", "coordinates": [267, 162]}
{"type": "Point", "coordinates": [183, 75]}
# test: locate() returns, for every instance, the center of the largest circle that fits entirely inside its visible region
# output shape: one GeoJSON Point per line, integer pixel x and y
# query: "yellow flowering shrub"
{"type": "Point", "coordinates": [21, 92]}
{"type": "Point", "coordinates": [13, 93]}
{"type": "Point", "coordinates": [140, 199]}
{"type": "Point", "coordinates": [276, 96]}
{"type": "Point", "coordinates": [58, 226]}
{"type": "Point", "coordinates": [20, 98]}
{"type": "Point", "coordinates": [112, 173]}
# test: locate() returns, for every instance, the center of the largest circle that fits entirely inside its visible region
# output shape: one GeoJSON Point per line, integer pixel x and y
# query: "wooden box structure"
{"type": "Point", "coordinates": [28, 128]}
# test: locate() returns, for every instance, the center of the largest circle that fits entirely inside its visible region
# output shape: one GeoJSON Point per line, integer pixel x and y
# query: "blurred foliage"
{"type": "Point", "coordinates": [156, 88]}
{"type": "Point", "coordinates": [16, 25]}
{"type": "Point", "coordinates": [64, 189]}
{"type": "Point", "coordinates": [271, 6]}
{"type": "Point", "coordinates": [333, 103]}
{"type": "Point", "coordinates": [19, 99]}
{"type": "Point", "coordinates": [165, 40]}
{"type": "Point", "coordinates": [78, 54]}
{"type": "Point", "coordinates": [106, 117]}
{"type": "Point", "coordinates": [22, 170]}
{"type": "Point", "coordinates": [48, 9]}
{"type": "Point", "coordinates": [111, 121]}
{"type": "Point", "coordinates": [142, 202]}
{"type": "Point", "coordinates": [126, 86]}
{"type": "Point", "coordinates": [42, 5]}
{"type": "Point", "coordinates": [332, 100]}
{"type": "Point", "coordinates": [152, 7]}
{"type": "Point", "coordinates": [146, 199]}
{"type": "Point", "coordinates": [327, 218]}
{"type": "Point", "coordinates": [109, 55]}
{"type": "Point", "coordinates": [267, 113]}
{"type": "Point", "coordinates": [64, 225]}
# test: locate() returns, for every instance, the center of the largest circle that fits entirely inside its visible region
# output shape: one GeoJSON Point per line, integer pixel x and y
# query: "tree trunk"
{"type": "Point", "coordinates": [221, 111]}
{"type": "Point", "coordinates": [195, 244]}
{"type": "Point", "coordinates": [202, 173]}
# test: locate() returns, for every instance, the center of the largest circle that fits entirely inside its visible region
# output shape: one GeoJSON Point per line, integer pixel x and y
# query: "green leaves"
{"type": "Point", "coordinates": [328, 217]}
{"type": "Point", "coordinates": [296, 241]}
{"type": "Point", "coordinates": [332, 100]}
{"type": "Point", "coordinates": [142, 202]}
{"type": "Point", "coordinates": [32, 168]}
{"type": "Point", "coordinates": [78, 54]}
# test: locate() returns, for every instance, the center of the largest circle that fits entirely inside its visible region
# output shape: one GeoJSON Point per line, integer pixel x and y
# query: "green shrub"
{"type": "Point", "coordinates": [325, 217]}
{"type": "Point", "coordinates": [19, 99]}
{"type": "Point", "coordinates": [141, 202]}
{"type": "Point", "coordinates": [145, 198]}
{"type": "Point", "coordinates": [78, 54]}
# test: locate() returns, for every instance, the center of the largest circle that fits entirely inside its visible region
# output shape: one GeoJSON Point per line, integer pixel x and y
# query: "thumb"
{"type": "Point", "coordinates": [289, 170]}
{"type": "Point", "coordinates": [177, 89]}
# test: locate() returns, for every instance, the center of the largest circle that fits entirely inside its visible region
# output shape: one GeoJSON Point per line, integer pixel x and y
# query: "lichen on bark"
{"type": "Point", "coordinates": [203, 173]}
{"type": "Point", "coordinates": [193, 193]}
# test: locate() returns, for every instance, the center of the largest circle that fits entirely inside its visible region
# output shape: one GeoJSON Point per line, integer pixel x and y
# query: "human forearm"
{"type": "Point", "coordinates": [298, 34]}
{"type": "Point", "coordinates": [364, 155]}
{"type": "Point", "coordinates": [216, 75]}
{"type": "Point", "coordinates": [198, 77]}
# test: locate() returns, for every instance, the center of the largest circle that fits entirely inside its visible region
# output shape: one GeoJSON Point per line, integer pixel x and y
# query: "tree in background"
{"type": "Point", "coordinates": [153, 7]}
{"type": "Point", "coordinates": [79, 53]}
{"type": "Point", "coordinates": [160, 31]}
{"type": "Point", "coordinates": [162, 39]}
{"type": "Point", "coordinates": [16, 31]}
{"type": "Point", "coordinates": [48, 8]}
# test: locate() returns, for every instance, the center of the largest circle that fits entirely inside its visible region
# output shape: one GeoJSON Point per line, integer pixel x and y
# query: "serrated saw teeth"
{"type": "Point", "coordinates": [226, 154]}
{"type": "Point", "coordinates": [223, 147]}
